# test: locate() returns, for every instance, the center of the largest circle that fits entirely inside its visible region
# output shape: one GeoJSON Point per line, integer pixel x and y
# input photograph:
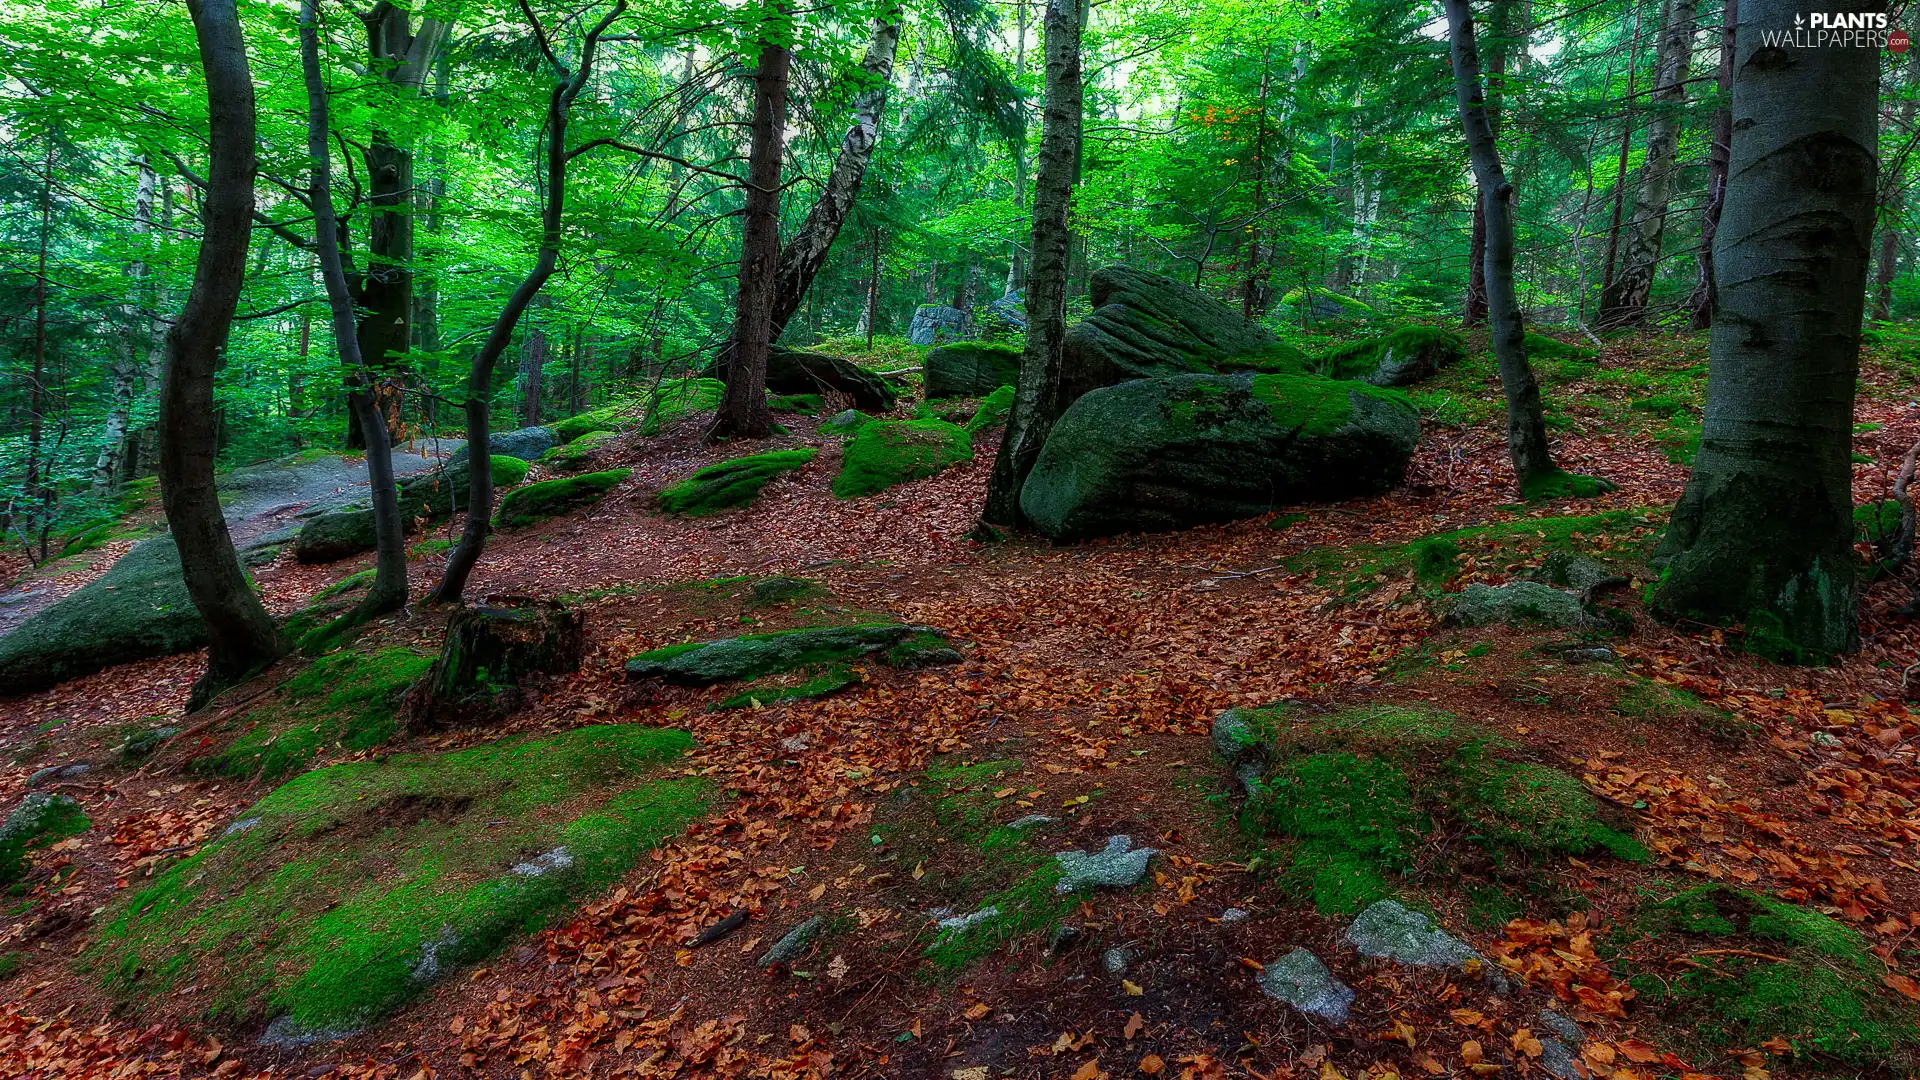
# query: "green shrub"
{"type": "Point", "coordinates": [551, 498]}
{"type": "Point", "coordinates": [889, 452]}
{"type": "Point", "coordinates": [730, 483]}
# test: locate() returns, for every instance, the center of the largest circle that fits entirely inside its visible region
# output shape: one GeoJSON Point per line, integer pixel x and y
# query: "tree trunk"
{"type": "Point", "coordinates": [491, 652]}
{"type": "Point", "coordinates": [426, 295]}
{"type": "Point", "coordinates": [145, 453]}
{"type": "Point", "coordinates": [1036, 400]}
{"type": "Point", "coordinates": [384, 291]}
{"type": "Point", "coordinates": [241, 636]}
{"type": "Point", "coordinates": [1626, 147]}
{"type": "Point", "coordinates": [1533, 465]}
{"type": "Point", "coordinates": [389, 589]}
{"type": "Point", "coordinates": [1701, 302]}
{"type": "Point", "coordinates": [1476, 306]}
{"type": "Point", "coordinates": [1893, 205]}
{"type": "Point", "coordinates": [1624, 302]}
{"type": "Point", "coordinates": [533, 365]}
{"type": "Point", "coordinates": [806, 252]}
{"type": "Point", "coordinates": [134, 330]}
{"type": "Point", "coordinates": [1763, 533]}
{"type": "Point", "coordinates": [566, 88]}
{"type": "Point", "coordinates": [743, 411]}
{"type": "Point", "coordinates": [1016, 254]}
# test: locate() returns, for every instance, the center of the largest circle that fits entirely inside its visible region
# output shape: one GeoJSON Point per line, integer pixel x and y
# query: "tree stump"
{"type": "Point", "coordinates": [492, 650]}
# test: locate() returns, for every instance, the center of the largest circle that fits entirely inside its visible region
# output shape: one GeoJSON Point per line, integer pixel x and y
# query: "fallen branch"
{"type": "Point", "coordinates": [1233, 573]}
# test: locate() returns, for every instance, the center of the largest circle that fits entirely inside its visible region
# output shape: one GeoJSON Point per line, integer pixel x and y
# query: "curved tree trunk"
{"type": "Point", "coordinates": [1764, 532]}
{"type": "Point", "coordinates": [743, 411]}
{"type": "Point", "coordinates": [1526, 420]}
{"type": "Point", "coordinates": [1036, 400]}
{"type": "Point", "coordinates": [1701, 302]}
{"type": "Point", "coordinates": [1624, 301]}
{"type": "Point", "coordinates": [241, 636]}
{"type": "Point", "coordinates": [389, 590]}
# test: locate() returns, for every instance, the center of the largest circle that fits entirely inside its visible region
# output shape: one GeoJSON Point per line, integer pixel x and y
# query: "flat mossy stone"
{"type": "Point", "coordinates": [779, 590]}
{"type": "Point", "coordinates": [576, 427]}
{"type": "Point", "coordinates": [885, 453]}
{"type": "Point", "coordinates": [335, 535]}
{"type": "Point", "coordinates": [845, 422]}
{"type": "Point", "coordinates": [537, 502]}
{"type": "Point", "coordinates": [734, 659]}
{"type": "Point", "coordinates": [1519, 604]}
{"type": "Point", "coordinates": [38, 820]}
{"type": "Point", "coordinates": [1153, 455]}
{"type": "Point", "coordinates": [137, 610]}
{"type": "Point", "coordinates": [356, 886]}
{"type": "Point", "coordinates": [1401, 357]}
{"type": "Point", "coordinates": [992, 412]}
{"type": "Point", "coordinates": [1322, 303]}
{"type": "Point", "coordinates": [574, 454]}
{"type": "Point", "coordinates": [805, 684]}
{"type": "Point", "coordinates": [730, 483]}
{"type": "Point", "coordinates": [970, 369]}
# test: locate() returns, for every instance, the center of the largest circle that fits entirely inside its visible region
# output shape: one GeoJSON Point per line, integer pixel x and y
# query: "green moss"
{"type": "Point", "coordinates": [1359, 359]}
{"type": "Point", "coordinates": [1312, 405]}
{"type": "Point", "coordinates": [506, 471]}
{"type": "Point", "coordinates": [1563, 485]}
{"type": "Point", "coordinates": [39, 820]}
{"type": "Point", "coordinates": [814, 681]}
{"type": "Point", "coordinates": [804, 404]}
{"type": "Point", "coordinates": [853, 423]}
{"type": "Point", "coordinates": [730, 483]}
{"type": "Point", "coordinates": [1351, 820]}
{"type": "Point", "coordinates": [1029, 907]}
{"type": "Point", "coordinates": [992, 412]}
{"type": "Point", "coordinates": [347, 700]}
{"type": "Point", "coordinates": [587, 423]}
{"type": "Point", "coordinates": [10, 964]}
{"type": "Point", "coordinates": [549, 498]}
{"type": "Point", "coordinates": [573, 455]}
{"type": "Point", "coordinates": [355, 886]}
{"type": "Point", "coordinates": [1534, 808]}
{"type": "Point", "coordinates": [884, 453]}
{"type": "Point", "coordinates": [1752, 968]}
{"type": "Point", "coordinates": [1544, 347]}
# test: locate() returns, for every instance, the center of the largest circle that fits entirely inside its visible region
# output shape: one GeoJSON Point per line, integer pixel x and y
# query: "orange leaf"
{"type": "Point", "coordinates": [1902, 984]}
{"type": "Point", "coordinates": [1134, 1024]}
{"type": "Point", "coordinates": [978, 1010]}
{"type": "Point", "coordinates": [1638, 1052]}
{"type": "Point", "coordinates": [1524, 1042]}
{"type": "Point", "coordinates": [1470, 1052]}
{"type": "Point", "coordinates": [1088, 1071]}
{"type": "Point", "coordinates": [1152, 1065]}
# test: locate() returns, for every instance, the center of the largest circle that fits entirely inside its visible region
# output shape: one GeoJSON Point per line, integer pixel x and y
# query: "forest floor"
{"type": "Point", "coordinates": [1091, 679]}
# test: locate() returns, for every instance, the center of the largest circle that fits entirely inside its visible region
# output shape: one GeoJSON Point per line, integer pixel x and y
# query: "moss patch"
{"type": "Point", "coordinates": [1311, 405]}
{"type": "Point", "coordinates": [550, 498]}
{"type": "Point", "coordinates": [992, 412]}
{"type": "Point", "coordinates": [40, 819]}
{"type": "Point", "coordinates": [573, 455]}
{"type": "Point", "coordinates": [346, 891]}
{"type": "Point", "coordinates": [813, 681]}
{"type": "Point", "coordinates": [1359, 359]}
{"type": "Point", "coordinates": [347, 700]}
{"type": "Point", "coordinates": [884, 453]}
{"type": "Point", "coordinates": [730, 483]}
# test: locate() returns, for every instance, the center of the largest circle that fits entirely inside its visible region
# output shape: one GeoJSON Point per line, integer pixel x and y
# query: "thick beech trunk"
{"type": "Point", "coordinates": [1763, 533]}
{"type": "Point", "coordinates": [743, 411]}
{"type": "Point", "coordinates": [1036, 400]}
{"type": "Point", "coordinates": [241, 636]}
{"type": "Point", "coordinates": [1624, 301]}
{"type": "Point", "coordinates": [1701, 302]}
{"type": "Point", "coordinates": [389, 590]}
{"type": "Point", "coordinates": [566, 88]}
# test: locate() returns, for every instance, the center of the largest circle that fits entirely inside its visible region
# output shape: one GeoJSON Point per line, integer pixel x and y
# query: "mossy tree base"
{"type": "Point", "coordinates": [492, 651]}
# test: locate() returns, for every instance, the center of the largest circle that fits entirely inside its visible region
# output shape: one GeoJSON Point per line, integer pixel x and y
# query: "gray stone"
{"type": "Point", "coordinates": [1392, 931]}
{"type": "Point", "coordinates": [731, 659]}
{"type": "Point", "coordinates": [958, 923]}
{"type": "Point", "coordinates": [790, 947]}
{"type": "Point", "coordinates": [1402, 357]}
{"type": "Point", "coordinates": [1116, 961]}
{"type": "Point", "coordinates": [1825, 741]}
{"type": "Point", "coordinates": [1598, 654]}
{"type": "Point", "coordinates": [934, 324]}
{"type": "Point", "coordinates": [1234, 915]}
{"type": "Point", "coordinates": [1031, 820]}
{"type": "Point", "coordinates": [436, 956]}
{"type": "Point", "coordinates": [797, 371]}
{"type": "Point", "coordinates": [1575, 571]}
{"type": "Point", "coordinates": [1566, 1029]}
{"type": "Point", "coordinates": [1302, 981]}
{"type": "Point", "coordinates": [1156, 454]}
{"type": "Point", "coordinates": [526, 443]}
{"type": "Point", "coordinates": [1065, 936]}
{"type": "Point", "coordinates": [335, 535]}
{"type": "Point", "coordinates": [1010, 310]}
{"type": "Point", "coordinates": [285, 1033]}
{"type": "Point", "coordinates": [243, 825]}
{"type": "Point", "coordinates": [542, 865]}
{"type": "Point", "coordinates": [54, 774]}
{"type": "Point", "coordinates": [1120, 866]}
{"type": "Point", "coordinates": [1518, 603]}
{"type": "Point", "coordinates": [845, 421]}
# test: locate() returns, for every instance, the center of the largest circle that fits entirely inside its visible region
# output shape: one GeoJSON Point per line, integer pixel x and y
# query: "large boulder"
{"type": "Point", "coordinates": [796, 371]}
{"type": "Point", "coordinates": [137, 610]}
{"type": "Point", "coordinates": [336, 535]}
{"type": "Point", "coordinates": [526, 443]}
{"type": "Point", "coordinates": [732, 659]}
{"type": "Point", "coordinates": [349, 530]}
{"type": "Point", "coordinates": [935, 323]}
{"type": "Point", "coordinates": [1146, 326]}
{"type": "Point", "coordinates": [971, 369]}
{"type": "Point", "coordinates": [884, 453]}
{"type": "Point", "coordinates": [1403, 357]}
{"type": "Point", "coordinates": [1159, 454]}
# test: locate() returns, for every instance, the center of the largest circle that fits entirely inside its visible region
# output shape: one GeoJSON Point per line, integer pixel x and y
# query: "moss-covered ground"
{"type": "Point", "coordinates": [344, 701]}
{"type": "Point", "coordinates": [535, 503]}
{"type": "Point", "coordinates": [730, 483]}
{"type": "Point", "coordinates": [883, 454]}
{"type": "Point", "coordinates": [350, 889]}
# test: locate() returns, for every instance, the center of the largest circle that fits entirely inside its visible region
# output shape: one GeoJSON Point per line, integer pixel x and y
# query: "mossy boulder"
{"type": "Point", "coordinates": [796, 371]}
{"type": "Point", "coordinates": [992, 412]}
{"type": "Point", "coordinates": [1723, 968]}
{"type": "Point", "coordinates": [350, 889]}
{"type": "Point", "coordinates": [1159, 454]}
{"type": "Point", "coordinates": [1403, 357]}
{"type": "Point", "coordinates": [526, 443]}
{"type": "Point", "coordinates": [606, 418]}
{"type": "Point", "coordinates": [884, 453]}
{"type": "Point", "coordinates": [845, 422]}
{"type": "Point", "coordinates": [348, 531]}
{"type": "Point", "coordinates": [550, 498]}
{"type": "Point", "coordinates": [733, 659]}
{"type": "Point", "coordinates": [1518, 603]}
{"type": "Point", "coordinates": [335, 535]}
{"type": "Point", "coordinates": [40, 819]}
{"type": "Point", "coordinates": [347, 700]}
{"type": "Point", "coordinates": [1146, 326]}
{"type": "Point", "coordinates": [137, 610]}
{"type": "Point", "coordinates": [1350, 798]}
{"type": "Point", "coordinates": [800, 404]}
{"type": "Point", "coordinates": [970, 369]}
{"type": "Point", "coordinates": [1311, 303]}
{"type": "Point", "coordinates": [730, 483]}
{"type": "Point", "coordinates": [575, 454]}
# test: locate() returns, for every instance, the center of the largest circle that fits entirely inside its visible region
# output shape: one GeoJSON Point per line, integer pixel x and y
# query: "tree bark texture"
{"type": "Point", "coordinates": [1700, 304]}
{"type": "Point", "coordinates": [1763, 533]}
{"type": "Point", "coordinates": [1624, 301]}
{"type": "Point", "coordinates": [743, 411]}
{"type": "Point", "coordinates": [1893, 205]}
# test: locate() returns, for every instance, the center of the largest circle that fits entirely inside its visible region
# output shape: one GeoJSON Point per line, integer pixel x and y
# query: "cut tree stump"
{"type": "Point", "coordinates": [491, 651]}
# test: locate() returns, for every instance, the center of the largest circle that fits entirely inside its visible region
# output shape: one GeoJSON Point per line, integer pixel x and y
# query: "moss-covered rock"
{"type": "Point", "coordinates": [804, 684]}
{"type": "Point", "coordinates": [526, 443]}
{"type": "Point", "coordinates": [347, 700]}
{"type": "Point", "coordinates": [845, 422]}
{"type": "Point", "coordinates": [1147, 326]}
{"type": "Point", "coordinates": [575, 454]}
{"type": "Point", "coordinates": [1517, 603]}
{"type": "Point", "coordinates": [1722, 968]}
{"type": "Point", "coordinates": [348, 531]}
{"type": "Point", "coordinates": [551, 498]}
{"type": "Point", "coordinates": [39, 820]}
{"type": "Point", "coordinates": [1402, 357]}
{"type": "Point", "coordinates": [801, 404]}
{"type": "Point", "coordinates": [1159, 454]}
{"type": "Point", "coordinates": [1352, 797]}
{"type": "Point", "coordinates": [992, 412]}
{"type": "Point", "coordinates": [888, 452]}
{"type": "Point", "coordinates": [970, 369]}
{"type": "Point", "coordinates": [349, 889]}
{"type": "Point", "coordinates": [137, 610]}
{"type": "Point", "coordinates": [795, 371]}
{"type": "Point", "coordinates": [1312, 302]}
{"type": "Point", "coordinates": [574, 428]}
{"type": "Point", "coordinates": [730, 483]}
{"type": "Point", "coordinates": [732, 659]}
{"type": "Point", "coordinates": [335, 535]}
